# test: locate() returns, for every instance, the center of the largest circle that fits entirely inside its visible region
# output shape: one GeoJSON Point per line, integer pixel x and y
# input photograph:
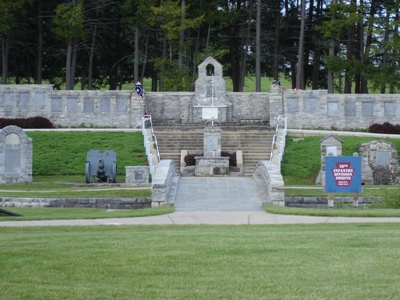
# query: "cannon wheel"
{"type": "Point", "coordinates": [114, 173]}
{"type": "Point", "coordinates": [87, 172]}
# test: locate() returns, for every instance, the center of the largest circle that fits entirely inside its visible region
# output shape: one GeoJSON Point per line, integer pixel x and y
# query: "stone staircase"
{"type": "Point", "coordinates": [254, 141]}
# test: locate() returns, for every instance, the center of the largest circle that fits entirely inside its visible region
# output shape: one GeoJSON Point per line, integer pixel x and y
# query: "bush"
{"type": "Point", "coordinates": [386, 128]}
{"type": "Point", "coordinates": [32, 122]}
{"type": "Point", "coordinates": [190, 158]}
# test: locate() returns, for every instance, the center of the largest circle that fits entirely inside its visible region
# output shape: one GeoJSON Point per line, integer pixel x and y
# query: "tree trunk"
{"type": "Point", "coordinates": [181, 37]}
{"type": "Point", "coordinates": [258, 47]}
{"type": "Point", "coordinates": [276, 40]}
{"type": "Point", "coordinates": [245, 51]}
{"type": "Point", "coordinates": [385, 50]}
{"type": "Point", "coordinates": [300, 58]}
{"type": "Point", "coordinates": [39, 44]}
{"type": "Point", "coordinates": [68, 67]}
{"type": "Point", "coordinates": [331, 55]}
{"type": "Point", "coordinates": [136, 55]}
{"type": "Point", "coordinates": [5, 48]}
{"type": "Point", "coordinates": [91, 58]}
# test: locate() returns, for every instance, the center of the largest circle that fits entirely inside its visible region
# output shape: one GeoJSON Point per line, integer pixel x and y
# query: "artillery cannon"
{"type": "Point", "coordinates": [101, 165]}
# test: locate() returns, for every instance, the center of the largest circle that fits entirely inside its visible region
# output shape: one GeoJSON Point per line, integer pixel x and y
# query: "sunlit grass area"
{"type": "Point", "coordinates": [341, 261]}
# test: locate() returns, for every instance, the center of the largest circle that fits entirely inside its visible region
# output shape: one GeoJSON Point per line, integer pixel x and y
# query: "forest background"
{"type": "Point", "coordinates": [339, 45]}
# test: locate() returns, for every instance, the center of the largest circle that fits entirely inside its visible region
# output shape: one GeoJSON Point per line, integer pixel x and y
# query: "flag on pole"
{"type": "Point", "coordinates": [139, 89]}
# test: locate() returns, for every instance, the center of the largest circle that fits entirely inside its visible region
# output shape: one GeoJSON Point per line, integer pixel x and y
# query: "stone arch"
{"type": "Point", "coordinates": [210, 70]}
{"type": "Point", "coordinates": [15, 155]}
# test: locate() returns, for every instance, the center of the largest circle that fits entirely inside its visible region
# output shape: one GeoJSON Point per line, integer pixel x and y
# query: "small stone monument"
{"type": "Point", "coordinates": [329, 146]}
{"type": "Point", "coordinates": [380, 162]}
{"type": "Point", "coordinates": [212, 163]}
{"type": "Point", "coordinates": [15, 156]}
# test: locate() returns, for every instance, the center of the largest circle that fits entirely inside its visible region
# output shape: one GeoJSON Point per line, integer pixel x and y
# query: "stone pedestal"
{"type": "Point", "coordinates": [211, 166]}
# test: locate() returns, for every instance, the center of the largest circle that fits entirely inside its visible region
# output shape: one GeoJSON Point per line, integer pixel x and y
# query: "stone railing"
{"type": "Point", "coordinates": [164, 184]}
{"type": "Point", "coordinates": [270, 183]}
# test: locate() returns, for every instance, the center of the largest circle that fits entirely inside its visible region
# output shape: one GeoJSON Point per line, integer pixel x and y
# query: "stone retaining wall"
{"type": "Point", "coordinates": [308, 109]}
{"type": "Point", "coordinates": [322, 202]}
{"type": "Point", "coordinates": [106, 203]}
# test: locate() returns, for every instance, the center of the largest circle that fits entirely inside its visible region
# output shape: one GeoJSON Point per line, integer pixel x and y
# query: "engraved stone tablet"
{"type": "Point", "coordinates": [310, 105]}
{"type": "Point", "coordinates": [390, 109]}
{"type": "Point", "coordinates": [293, 105]}
{"type": "Point", "coordinates": [23, 99]}
{"type": "Point", "coordinates": [349, 109]}
{"type": "Point", "coordinates": [72, 105]}
{"type": "Point", "coordinates": [367, 109]}
{"type": "Point", "coordinates": [88, 105]}
{"type": "Point", "coordinates": [8, 99]}
{"type": "Point", "coordinates": [333, 109]}
{"type": "Point", "coordinates": [12, 161]}
{"type": "Point", "coordinates": [105, 105]}
{"type": "Point", "coordinates": [383, 158]}
{"type": "Point", "coordinates": [39, 99]}
{"type": "Point", "coordinates": [122, 105]}
{"type": "Point", "coordinates": [56, 105]}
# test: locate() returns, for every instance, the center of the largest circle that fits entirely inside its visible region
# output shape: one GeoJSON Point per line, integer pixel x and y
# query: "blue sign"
{"type": "Point", "coordinates": [343, 174]}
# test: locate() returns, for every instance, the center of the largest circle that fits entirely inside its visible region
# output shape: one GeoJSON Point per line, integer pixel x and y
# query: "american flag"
{"type": "Point", "coordinates": [139, 89]}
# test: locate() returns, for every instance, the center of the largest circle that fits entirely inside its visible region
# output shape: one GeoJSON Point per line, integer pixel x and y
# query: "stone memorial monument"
{"type": "Point", "coordinates": [15, 156]}
{"type": "Point", "coordinates": [329, 146]}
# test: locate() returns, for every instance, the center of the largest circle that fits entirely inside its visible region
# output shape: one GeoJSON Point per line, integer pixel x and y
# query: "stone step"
{"type": "Point", "coordinates": [255, 144]}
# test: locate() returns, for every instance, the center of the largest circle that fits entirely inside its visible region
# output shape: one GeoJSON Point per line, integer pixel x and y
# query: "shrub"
{"type": "Point", "coordinates": [386, 128]}
{"type": "Point", "coordinates": [189, 159]}
{"type": "Point", "coordinates": [32, 122]}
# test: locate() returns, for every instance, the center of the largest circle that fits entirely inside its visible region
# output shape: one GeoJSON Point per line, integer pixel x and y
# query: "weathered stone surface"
{"type": "Point", "coordinates": [15, 156]}
{"type": "Point", "coordinates": [380, 162]}
{"type": "Point", "coordinates": [105, 203]}
{"type": "Point", "coordinates": [270, 183]}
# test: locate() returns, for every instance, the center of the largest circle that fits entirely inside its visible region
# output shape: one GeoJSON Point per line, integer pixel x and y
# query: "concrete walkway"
{"type": "Point", "coordinates": [202, 218]}
{"type": "Point", "coordinates": [217, 194]}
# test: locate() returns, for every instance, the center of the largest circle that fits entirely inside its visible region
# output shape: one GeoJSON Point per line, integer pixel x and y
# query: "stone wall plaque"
{"type": "Point", "coordinates": [122, 105]}
{"type": "Point", "coordinates": [56, 105]}
{"type": "Point", "coordinates": [310, 105]}
{"type": "Point", "coordinates": [383, 158]}
{"type": "Point", "coordinates": [293, 105]}
{"type": "Point", "coordinates": [12, 161]}
{"type": "Point", "coordinates": [105, 105]}
{"type": "Point", "coordinates": [88, 105]}
{"type": "Point", "coordinates": [350, 109]}
{"type": "Point", "coordinates": [72, 105]}
{"type": "Point", "coordinates": [390, 109]}
{"type": "Point", "coordinates": [23, 99]}
{"type": "Point", "coordinates": [8, 99]}
{"type": "Point", "coordinates": [39, 99]}
{"type": "Point", "coordinates": [333, 109]}
{"type": "Point", "coordinates": [367, 109]}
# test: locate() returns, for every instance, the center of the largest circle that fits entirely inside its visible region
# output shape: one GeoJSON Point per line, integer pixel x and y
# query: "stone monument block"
{"type": "Point", "coordinates": [329, 146]}
{"type": "Point", "coordinates": [381, 162]}
{"type": "Point", "coordinates": [15, 156]}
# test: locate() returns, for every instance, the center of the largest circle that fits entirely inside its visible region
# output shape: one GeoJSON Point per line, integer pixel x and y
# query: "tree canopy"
{"type": "Point", "coordinates": [346, 46]}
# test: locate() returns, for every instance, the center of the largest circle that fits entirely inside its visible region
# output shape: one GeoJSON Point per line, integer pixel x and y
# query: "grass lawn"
{"type": "Point", "coordinates": [326, 261]}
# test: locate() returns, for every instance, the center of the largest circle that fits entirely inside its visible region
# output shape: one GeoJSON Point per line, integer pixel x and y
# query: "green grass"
{"type": "Point", "coordinates": [64, 153]}
{"type": "Point", "coordinates": [51, 213]}
{"type": "Point", "coordinates": [302, 159]}
{"type": "Point", "coordinates": [327, 261]}
{"type": "Point", "coordinates": [341, 212]}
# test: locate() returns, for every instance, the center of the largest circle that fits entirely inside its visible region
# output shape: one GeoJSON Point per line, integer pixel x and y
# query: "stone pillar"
{"type": "Point", "coordinates": [212, 142]}
{"type": "Point", "coordinates": [15, 156]}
